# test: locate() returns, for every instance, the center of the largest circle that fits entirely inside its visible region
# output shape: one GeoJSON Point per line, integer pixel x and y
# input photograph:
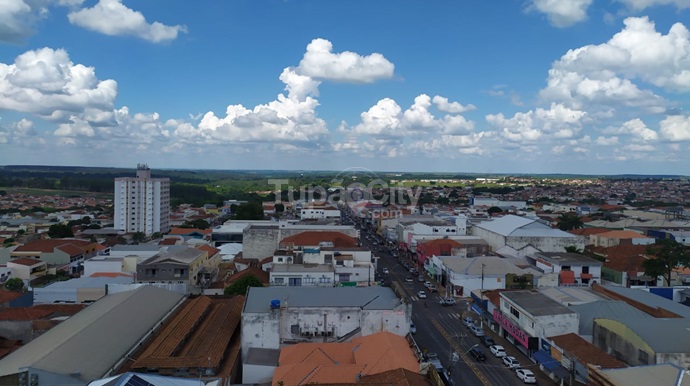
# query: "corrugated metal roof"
{"type": "Point", "coordinates": [493, 265]}
{"type": "Point", "coordinates": [651, 299]}
{"type": "Point", "coordinates": [92, 341]}
{"type": "Point", "coordinates": [664, 374]}
{"type": "Point", "coordinates": [607, 309]}
{"type": "Point", "coordinates": [370, 298]}
{"type": "Point", "coordinates": [662, 335]}
{"type": "Point", "coordinates": [505, 225]}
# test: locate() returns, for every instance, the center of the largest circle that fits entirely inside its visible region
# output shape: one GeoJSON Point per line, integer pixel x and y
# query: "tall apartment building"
{"type": "Point", "coordinates": [142, 203]}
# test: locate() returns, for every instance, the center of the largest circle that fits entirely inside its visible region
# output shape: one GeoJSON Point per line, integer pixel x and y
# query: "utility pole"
{"type": "Point", "coordinates": [481, 298]}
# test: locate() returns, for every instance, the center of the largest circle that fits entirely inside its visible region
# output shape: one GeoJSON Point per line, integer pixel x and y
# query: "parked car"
{"type": "Point", "coordinates": [498, 351]}
{"type": "Point", "coordinates": [526, 376]}
{"type": "Point", "coordinates": [420, 278]}
{"type": "Point", "coordinates": [477, 331]}
{"type": "Point", "coordinates": [413, 329]}
{"type": "Point", "coordinates": [511, 362]}
{"type": "Point", "coordinates": [427, 284]}
{"type": "Point", "coordinates": [432, 288]}
{"type": "Point", "coordinates": [409, 279]}
{"type": "Point", "coordinates": [447, 301]}
{"type": "Point", "coordinates": [386, 271]}
{"type": "Point", "coordinates": [477, 354]}
{"type": "Point", "coordinates": [488, 341]}
{"type": "Point", "coordinates": [467, 321]}
{"type": "Point", "coordinates": [421, 294]}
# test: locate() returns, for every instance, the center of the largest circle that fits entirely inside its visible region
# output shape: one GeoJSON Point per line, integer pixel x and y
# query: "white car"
{"type": "Point", "coordinates": [511, 362]}
{"type": "Point", "coordinates": [526, 376]}
{"type": "Point", "coordinates": [498, 351]}
{"type": "Point", "coordinates": [477, 331]}
{"type": "Point", "coordinates": [386, 271]}
{"type": "Point", "coordinates": [421, 294]}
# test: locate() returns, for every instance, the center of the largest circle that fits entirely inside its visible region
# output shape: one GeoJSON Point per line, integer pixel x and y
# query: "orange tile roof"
{"type": "Point", "coordinates": [8, 296]}
{"type": "Point", "coordinates": [623, 258]}
{"type": "Point", "coordinates": [263, 276]}
{"type": "Point", "coordinates": [586, 352]}
{"type": "Point", "coordinates": [211, 251]}
{"type": "Point", "coordinates": [398, 377]}
{"type": "Point", "coordinates": [324, 363]}
{"type": "Point", "coordinates": [49, 245]}
{"type": "Point", "coordinates": [27, 261]}
{"type": "Point", "coordinates": [313, 238]}
{"type": "Point", "coordinates": [169, 241]}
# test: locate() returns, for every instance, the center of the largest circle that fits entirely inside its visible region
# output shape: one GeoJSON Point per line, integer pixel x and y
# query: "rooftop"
{"type": "Point", "coordinates": [182, 255]}
{"type": "Point", "coordinates": [586, 352]}
{"type": "Point", "coordinates": [561, 258]}
{"type": "Point", "coordinates": [662, 335]}
{"type": "Point", "coordinates": [536, 303]}
{"type": "Point", "coordinates": [302, 268]}
{"type": "Point", "coordinates": [609, 309]}
{"type": "Point", "coordinates": [490, 265]}
{"type": "Point", "coordinates": [27, 261]}
{"type": "Point", "coordinates": [61, 349]}
{"type": "Point", "coordinates": [511, 225]}
{"type": "Point", "coordinates": [314, 238]}
{"type": "Point", "coordinates": [367, 298]}
{"type": "Point", "coordinates": [661, 375]}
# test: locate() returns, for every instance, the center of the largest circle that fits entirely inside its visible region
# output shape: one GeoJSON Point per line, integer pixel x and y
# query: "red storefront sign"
{"type": "Point", "coordinates": [512, 329]}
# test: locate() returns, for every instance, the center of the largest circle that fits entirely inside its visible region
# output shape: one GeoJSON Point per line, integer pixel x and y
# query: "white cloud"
{"type": "Point", "coordinates": [47, 83]}
{"type": "Point", "coordinates": [606, 141]}
{"type": "Point", "coordinates": [639, 5]}
{"type": "Point", "coordinates": [387, 119]}
{"type": "Point", "coordinates": [320, 62]}
{"type": "Point", "coordinates": [15, 20]}
{"type": "Point", "coordinates": [562, 13]}
{"type": "Point", "coordinates": [675, 128]}
{"type": "Point", "coordinates": [636, 128]}
{"type": "Point", "coordinates": [558, 122]}
{"type": "Point", "coordinates": [442, 104]}
{"type": "Point", "coordinates": [597, 76]}
{"type": "Point", "coordinates": [111, 17]}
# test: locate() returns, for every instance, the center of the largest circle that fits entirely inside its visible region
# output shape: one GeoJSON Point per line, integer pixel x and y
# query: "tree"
{"type": "Point", "coordinates": [669, 255]}
{"type": "Point", "coordinates": [138, 237]}
{"type": "Point", "coordinates": [198, 224]}
{"type": "Point", "coordinates": [249, 211]}
{"type": "Point", "coordinates": [279, 208]}
{"type": "Point", "coordinates": [573, 249]}
{"type": "Point", "coordinates": [569, 221]}
{"type": "Point", "coordinates": [59, 231]}
{"type": "Point", "coordinates": [239, 287]}
{"type": "Point", "coordinates": [14, 284]}
{"type": "Point", "coordinates": [494, 209]}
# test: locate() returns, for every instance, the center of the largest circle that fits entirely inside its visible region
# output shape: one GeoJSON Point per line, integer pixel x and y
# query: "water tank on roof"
{"type": "Point", "coordinates": [275, 304]}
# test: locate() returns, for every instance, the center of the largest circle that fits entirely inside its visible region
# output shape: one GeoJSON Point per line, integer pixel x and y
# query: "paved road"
{"type": "Point", "coordinates": [440, 330]}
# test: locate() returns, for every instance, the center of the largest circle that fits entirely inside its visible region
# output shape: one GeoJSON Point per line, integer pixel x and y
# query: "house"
{"type": "Point", "coordinates": [65, 254]}
{"type": "Point", "coordinates": [276, 316]}
{"type": "Point", "coordinates": [613, 238]}
{"type": "Point", "coordinates": [318, 212]}
{"type": "Point", "coordinates": [58, 356]}
{"type": "Point", "coordinates": [192, 267]}
{"type": "Point", "coordinates": [343, 363]}
{"type": "Point", "coordinates": [572, 351]}
{"type": "Point", "coordinates": [623, 264]}
{"type": "Point", "coordinates": [322, 259]}
{"type": "Point", "coordinates": [27, 268]}
{"type": "Point", "coordinates": [83, 290]}
{"type": "Point", "coordinates": [572, 268]}
{"type": "Point", "coordinates": [518, 236]}
{"type": "Point", "coordinates": [261, 240]}
{"type": "Point", "coordinates": [461, 276]}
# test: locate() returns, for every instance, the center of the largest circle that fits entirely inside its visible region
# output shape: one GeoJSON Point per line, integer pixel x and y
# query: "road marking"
{"type": "Point", "coordinates": [462, 353]}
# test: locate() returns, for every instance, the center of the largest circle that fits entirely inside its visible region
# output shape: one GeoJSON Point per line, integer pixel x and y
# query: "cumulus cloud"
{"type": "Point", "coordinates": [320, 62]}
{"type": "Point", "coordinates": [442, 104]}
{"type": "Point", "coordinates": [601, 76]}
{"type": "Point", "coordinates": [47, 83]}
{"type": "Point", "coordinates": [387, 119]}
{"type": "Point", "coordinates": [558, 121]}
{"type": "Point", "coordinates": [562, 13]}
{"type": "Point", "coordinates": [111, 17]}
{"type": "Point", "coordinates": [635, 128]}
{"type": "Point", "coordinates": [675, 128]}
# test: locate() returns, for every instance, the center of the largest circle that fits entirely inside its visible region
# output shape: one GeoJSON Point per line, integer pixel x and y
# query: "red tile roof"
{"type": "Point", "coordinates": [169, 241]}
{"type": "Point", "coordinates": [27, 261]}
{"type": "Point", "coordinates": [586, 352]}
{"type": "Point", "coordinates": [623, 258]}
{"type": "Point", "coordinates": [49, 245]}
{"type": "Point", "coordinates": [39, 311]}
{"type": "Point", "coordinates": [314, 238]}
{"type": "Point", "coordinates": [263, 276]}
{"type": "Point", "coordinates": [188, 231]}
{"type": "Point", "coordinates": [8, 296]}
{"type": "Point", "coordinates": [109, 274]}
{"type": "Point", "coordinates": [211, 251]}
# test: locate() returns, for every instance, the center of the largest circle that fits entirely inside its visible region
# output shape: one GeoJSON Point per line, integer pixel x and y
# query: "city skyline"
{"type": "Point", "coordinates": [540, 86]}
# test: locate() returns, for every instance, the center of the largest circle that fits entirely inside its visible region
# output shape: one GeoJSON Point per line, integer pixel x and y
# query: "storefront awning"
{"type": "Point", "coordinates": [546, 360]}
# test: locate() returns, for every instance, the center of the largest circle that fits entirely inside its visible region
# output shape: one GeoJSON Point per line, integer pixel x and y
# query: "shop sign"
{"type": "Point", "coordinates": [512, 329]}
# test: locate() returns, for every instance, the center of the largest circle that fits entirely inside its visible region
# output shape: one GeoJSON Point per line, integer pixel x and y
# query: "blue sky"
{"type": "Point", "coordinates": [532, 86]}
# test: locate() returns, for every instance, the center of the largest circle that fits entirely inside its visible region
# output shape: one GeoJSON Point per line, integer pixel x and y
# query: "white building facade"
{"type": "Point", "coordinates": [142, 203]}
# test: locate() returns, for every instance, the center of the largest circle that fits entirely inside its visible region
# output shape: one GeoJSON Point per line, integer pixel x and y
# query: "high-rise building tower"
{"type": "Point", "coordinates": [142, 203]}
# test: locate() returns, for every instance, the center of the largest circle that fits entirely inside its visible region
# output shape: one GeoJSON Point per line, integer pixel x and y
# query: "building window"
{"type": "Point", "coordinates": [515, 312]}
{"type": "Point", "coordinates": [642, 357]}
{"type": "Point", "coordinates": [585, 269]}
{"type": "Point", "coordinates": [279, 280]}
{"type": "Point", "coordinates": [280, 259]}
{"type": "Point", "coordinates": [565, 268]}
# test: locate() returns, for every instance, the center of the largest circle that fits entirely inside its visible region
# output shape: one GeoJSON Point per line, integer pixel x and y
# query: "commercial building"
{"type": "Point", "coordinates": [572, 268]}
{"type": "Point", "coordinates": [93, 343]}
{"type": "Point", "coordinates": [276, 316]}
{"type": "Point", "coordinates": [142, 203]}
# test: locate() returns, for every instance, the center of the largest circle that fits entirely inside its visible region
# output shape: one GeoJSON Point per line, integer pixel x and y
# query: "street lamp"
{"type": "Point", "coordinates": [455, 358]}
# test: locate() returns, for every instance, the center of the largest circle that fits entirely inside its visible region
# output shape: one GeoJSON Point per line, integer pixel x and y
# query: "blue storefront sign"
{"type": "Point", "coordinates": [476, 309]}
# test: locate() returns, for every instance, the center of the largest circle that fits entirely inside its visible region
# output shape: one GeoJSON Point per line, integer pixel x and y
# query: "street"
{"type": "Point", "coordinates": [440, 329]}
